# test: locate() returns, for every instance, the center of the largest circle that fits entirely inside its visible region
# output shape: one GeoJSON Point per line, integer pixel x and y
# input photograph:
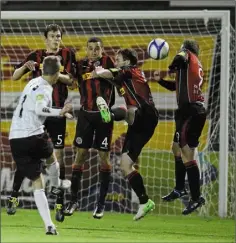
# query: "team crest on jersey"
{"type": "Point", "coordinates": [79, 140]}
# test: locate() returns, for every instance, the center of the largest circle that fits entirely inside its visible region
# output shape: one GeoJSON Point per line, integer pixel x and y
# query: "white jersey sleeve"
{"type": "Point", "coordinates": [34, 106]}
{"type": "Point", "coordinates": [43, 104]}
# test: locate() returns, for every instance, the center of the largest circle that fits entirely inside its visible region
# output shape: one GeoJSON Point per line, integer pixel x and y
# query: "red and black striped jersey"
{"type": "Point", "coordinates": [90, 88]}
{"type": "Point", "coordinates": [133, 86]}
{"type": "Point", "coordinates": [68, 62]}
{"type": "Point", "coordinates": [189, 78]}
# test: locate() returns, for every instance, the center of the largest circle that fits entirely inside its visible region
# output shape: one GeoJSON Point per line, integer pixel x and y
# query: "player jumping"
{"type": "Point", "coordinates": [142, 118]}
{"type": "Point", "coordinates": [190, 118]}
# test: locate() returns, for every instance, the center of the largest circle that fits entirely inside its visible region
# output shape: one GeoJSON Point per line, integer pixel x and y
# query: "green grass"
{"type": "Point", "coordinates": [26, 226]}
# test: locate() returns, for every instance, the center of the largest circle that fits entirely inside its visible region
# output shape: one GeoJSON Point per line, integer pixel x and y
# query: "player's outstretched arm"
{"type": "Point", "coordinates": [101, 72]}
{"type": "Point", "coordinates": [170, 85]}
{"type": "Point", "coordinates": [66, 79]}
{"type": "Point", "coordinates": [19, 72]}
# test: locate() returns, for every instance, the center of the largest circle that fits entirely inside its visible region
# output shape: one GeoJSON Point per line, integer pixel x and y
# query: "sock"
{"type": "Point", "coordinates": [105, 177]}
{"type": "Point", "coordinates": [136, 182]}
{"type": "Point", "coordinates": [77, 172]}
{"type": "Point", "coordinates": [60, 197]}
{"type": "Point", "coordinates": [193, 179]}
{"type": "Point", "coordinates": [18, 179]}
{"type": "Point", "coordinates": [43, 208]}
{"type": "Point", "coordinates": [62, 172]}
{"type": "Point", "coordinates": [180, 172]}
{"type": "Point", "coordinates": [54, 173]}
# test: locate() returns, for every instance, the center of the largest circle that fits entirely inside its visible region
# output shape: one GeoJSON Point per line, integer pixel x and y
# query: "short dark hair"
{"type": "Point", "coordinates": [129, 54]}
{"type": "Point", "coordinates": [51, 65]}
{"type": "Point", "coordinates": [192, 46]}
{"type": "Point", "coordinates": [52, 27]}
{"type": "Point", "coordinates": [94, 40]}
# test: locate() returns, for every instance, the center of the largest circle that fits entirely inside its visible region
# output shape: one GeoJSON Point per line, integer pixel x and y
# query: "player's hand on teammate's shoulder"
{"type": "Point", "coordinates": [30, 65]}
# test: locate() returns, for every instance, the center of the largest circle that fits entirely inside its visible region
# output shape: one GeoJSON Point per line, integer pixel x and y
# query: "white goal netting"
{"type": "Point", "coordinates": [156, 162]}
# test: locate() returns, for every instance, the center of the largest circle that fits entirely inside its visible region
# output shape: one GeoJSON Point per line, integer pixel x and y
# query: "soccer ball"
{"type": "Point", "coordinates": [158, 49]}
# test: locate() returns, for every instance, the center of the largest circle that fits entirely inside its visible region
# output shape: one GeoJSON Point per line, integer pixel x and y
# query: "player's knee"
{"type": "Point", "coordinates": [119, 113]}
{"type": "Point", "coordinates": [126, 164]}
{"type": "Point", "coordinates": [188, 153]}
{"type": "Point", "coordinates": [176, 149]}
{"type": "Point", "coordinates": [51, 159]}
{"type": "Point", "coordinates": [38, 182]}
{"type": "Point", "coordinates": [59, 153]}
{"type": "Point", "coordinates": [80, 156]}
{"type": "Point", "coordinates": [104, 157]}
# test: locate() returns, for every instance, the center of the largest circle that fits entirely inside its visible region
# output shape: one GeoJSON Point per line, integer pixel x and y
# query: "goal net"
{"type": "Point", "coordinates": [156, 163]}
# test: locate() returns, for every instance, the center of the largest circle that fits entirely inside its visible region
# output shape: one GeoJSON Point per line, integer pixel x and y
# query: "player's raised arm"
{"type": "Point", "coordinates": [168, 84]}
{"type": "Point", "coordinates": [69, 68]}
{"type": "Point", "coordinates": [42, 95]}
{"type": "Point", "coordinates": [24, 67]}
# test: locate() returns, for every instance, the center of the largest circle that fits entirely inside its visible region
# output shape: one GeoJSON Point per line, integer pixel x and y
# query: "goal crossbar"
{"type": "Point", "coordinates": [58, 15]}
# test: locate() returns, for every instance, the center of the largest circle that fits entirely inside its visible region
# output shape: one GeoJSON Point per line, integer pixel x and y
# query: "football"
{"type": "Point", "coordinates": [158, 49]}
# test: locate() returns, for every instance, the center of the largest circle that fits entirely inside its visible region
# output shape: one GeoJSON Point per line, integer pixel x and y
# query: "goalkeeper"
{"type": "Point", "coordinates": [142, 118]}
{"type": "Point", "coordinates": [190, 118]}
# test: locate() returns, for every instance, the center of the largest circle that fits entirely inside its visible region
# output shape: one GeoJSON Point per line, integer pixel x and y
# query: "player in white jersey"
{"type": "Point", "coordinates": [29, 143]}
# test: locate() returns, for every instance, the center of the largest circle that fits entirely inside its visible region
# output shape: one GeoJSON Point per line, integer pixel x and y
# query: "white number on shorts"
{"type": "Point", "coordinates": [59, 139]}
{"type": "Point", "coordinates": [104, 142]}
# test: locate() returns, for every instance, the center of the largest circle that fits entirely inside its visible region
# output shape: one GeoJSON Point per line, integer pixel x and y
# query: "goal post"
{"type": "Point", "coordinates": [225, 55]}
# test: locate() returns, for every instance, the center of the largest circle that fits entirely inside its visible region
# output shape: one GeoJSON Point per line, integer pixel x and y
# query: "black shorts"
{"type": "Point", "coordinates": [189, 122]}
{"type": "Point", "coordinates": [140, 132]}
{"type": "Point", "coordinates": [29, 152]}
{"type": "Point", "coordinates": [56, 128]}
{"type": "Point", "coordinates": [91, 132]}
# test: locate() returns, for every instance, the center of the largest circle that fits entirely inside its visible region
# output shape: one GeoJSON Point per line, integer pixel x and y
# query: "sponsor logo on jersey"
{"type": "Point", "coordinates": [87, 76]}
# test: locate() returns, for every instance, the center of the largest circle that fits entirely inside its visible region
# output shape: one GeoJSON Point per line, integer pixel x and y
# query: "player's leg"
{"type": "Point", "coordinates": [119, 113]}
{"type": "Point", "coordinates": [137, 136]}
{"type": "Point", "coordinates": [102, 142]}
{"type": "Point", "coordinates": [26, 153]}
{"type": "Point", "coordinates": [42, 205]}
{"type": "Point", "coordinates": [83, 141]}
{"type": "Point", "coordinates": [189, 142]}
{"type": "Point", "coordinates": [180, 170]}
{"type": "Point", "coordinates": [56, 127]}
{"type": "Point", "coordinates": [180, 173]}
{"type": "Point", "coordinates": [13, 201]}
{"type": "Point", "coordinates": [77, 173]}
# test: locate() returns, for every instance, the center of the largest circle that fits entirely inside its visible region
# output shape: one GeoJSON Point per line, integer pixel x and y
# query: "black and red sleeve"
{"type": "Point", "coordinates": [69, 59]}
{"type": "Point", "coordinates": [31, 57]}
{"type": "Point", "coordinates": [180, 61]}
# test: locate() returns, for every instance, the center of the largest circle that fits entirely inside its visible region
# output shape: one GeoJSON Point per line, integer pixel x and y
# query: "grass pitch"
{"type": "Point", "coordinates": [27, 226]}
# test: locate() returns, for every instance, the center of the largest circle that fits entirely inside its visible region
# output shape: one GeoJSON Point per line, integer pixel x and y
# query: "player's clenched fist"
{"type": "Point", "coordinates": [30, 65]}
{"type": "Point", "coordinates": [66, 109]}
